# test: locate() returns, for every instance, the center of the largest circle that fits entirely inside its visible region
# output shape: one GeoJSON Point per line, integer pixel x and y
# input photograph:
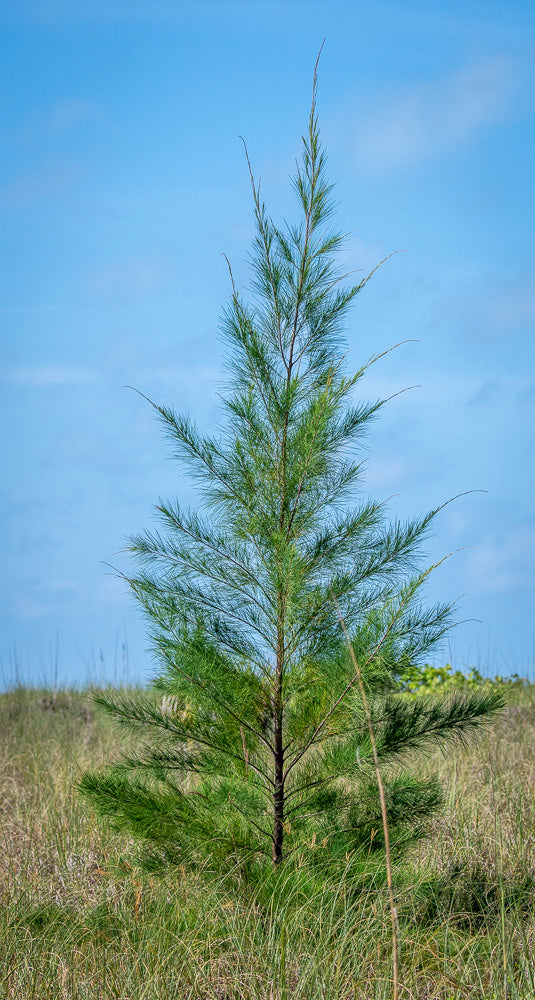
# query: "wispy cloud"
{"type": "Point", "coordinates": [490, 393]}
{"type": "Point", "coordinates": [133, 277]}
{"type": "Point", "coordinates": [105, 11]}
{"type": "Point", "coordinates": [389, 474]}
{"type": "Point", "coordinates": [189, 377]}
{"type": "Point", "coordinates": [513, 306]}
{"type": "Point", "coordinates": [38, 600]}
{"type": "Point", "coordinates": [111, 590]}
{"type": "Point", "coordinates": [68, 113]}
{"type": "Point", "coordinates": [38, 124]}
{"type": "Point", "coordinates": [417, 123]}
{"type": "Point", "coordinates": [40, 376]}
{"type": "Point", "coordinates": [50, 179]}
{"type": "Point", "coordinates": [57, 587]}
{"type": "Point", "coordinates": [502, 564]}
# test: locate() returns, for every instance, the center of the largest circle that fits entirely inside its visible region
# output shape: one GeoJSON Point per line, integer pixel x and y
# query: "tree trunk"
{"type": "Point", "coordinates": [278, 809]}
{"type": "Point", "coordinates": [278, 795]}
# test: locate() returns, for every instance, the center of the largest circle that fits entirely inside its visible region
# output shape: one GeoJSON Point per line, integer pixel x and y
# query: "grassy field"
{"type": "Point", "coordinates": [78, 920]}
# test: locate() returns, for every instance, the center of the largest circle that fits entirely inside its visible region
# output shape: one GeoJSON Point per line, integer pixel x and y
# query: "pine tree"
{"type": "Point", "coordinates": [256, 741]}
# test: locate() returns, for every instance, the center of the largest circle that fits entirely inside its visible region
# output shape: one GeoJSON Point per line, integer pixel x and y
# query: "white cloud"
{"type": "Point", "coordinates": [51, 178]}
{"type": "Point", "coordinates": [502, 564]}
{"type": "Point", "coordinates": [113, 590]}
{"type": "Point", "coordinates": [39, 376]}
{"type": "Point", "coordinates": [42, 599]}
{"type": "Point", "coordinates": [513, 306]}
{"type": "Point", "coordinates": [406, 128]}
{"type": "Point", "coordinates": [490, 393]}
{"type": "Point", "coordinates": [57, 587]}
{"type": "Point", "coordinates": [187, 377]}
{"type": "Point", "coordinates": [38, 125]}
{"type": "Point", "coordinates": [109, 11]}
{"type": "Point", "coordinates": [69, 113]}
{"type": "Point", "coordinates": [136, 276]}
{"type": "Point", "coordinates": [389, 474]}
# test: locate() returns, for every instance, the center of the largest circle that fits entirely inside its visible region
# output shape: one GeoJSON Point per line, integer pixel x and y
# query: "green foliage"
{"type": "Point", "coordinates": [418, 679]}
{"type": "Point", "coordinates": [253, 742]}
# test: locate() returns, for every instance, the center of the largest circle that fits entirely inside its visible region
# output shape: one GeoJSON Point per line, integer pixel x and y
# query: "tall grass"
{"type": "Point", "coordinates": [78, 920]}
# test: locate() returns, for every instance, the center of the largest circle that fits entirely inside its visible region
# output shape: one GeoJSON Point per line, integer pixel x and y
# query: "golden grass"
{"type": "Point", "coordinates": [79, 921]}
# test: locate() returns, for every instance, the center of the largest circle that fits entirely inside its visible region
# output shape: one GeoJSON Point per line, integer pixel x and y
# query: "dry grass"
{"type": "Point", "coordinates": [78, 921]}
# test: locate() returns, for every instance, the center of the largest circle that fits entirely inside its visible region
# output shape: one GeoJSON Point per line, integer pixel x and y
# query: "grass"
{"type": "Point", "coordinates": [79, 921]}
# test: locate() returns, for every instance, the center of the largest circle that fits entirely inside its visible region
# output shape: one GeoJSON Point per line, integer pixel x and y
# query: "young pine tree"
{"type": "Point", "coordinates": [256, 737]}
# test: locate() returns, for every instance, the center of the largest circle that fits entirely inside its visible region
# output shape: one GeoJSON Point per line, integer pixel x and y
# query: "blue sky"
{"type": "Point", "coordinates": [122, 181]}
